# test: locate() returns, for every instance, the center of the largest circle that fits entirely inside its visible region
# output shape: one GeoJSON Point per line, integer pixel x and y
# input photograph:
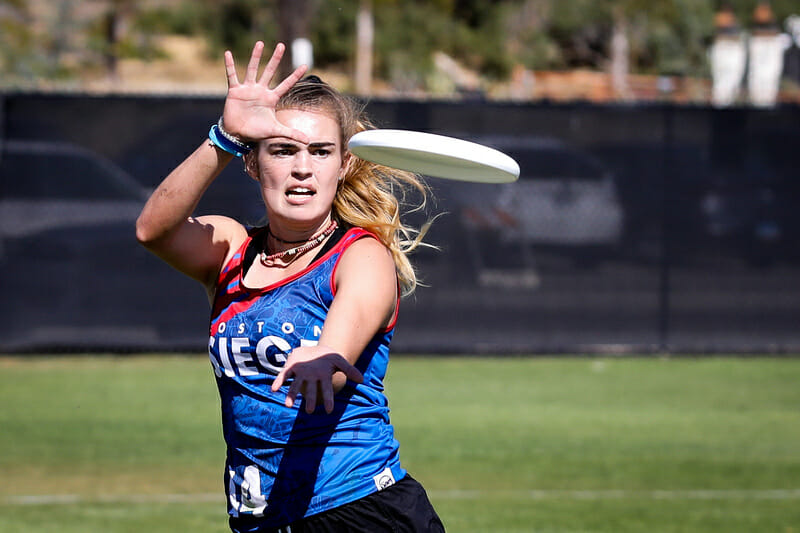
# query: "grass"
{"type": "Point", "coordinates": [119, 444]}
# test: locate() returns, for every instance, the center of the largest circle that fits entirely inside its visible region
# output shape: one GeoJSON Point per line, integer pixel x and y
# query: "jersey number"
{"type": "Point", "coordinates": [249, 499]}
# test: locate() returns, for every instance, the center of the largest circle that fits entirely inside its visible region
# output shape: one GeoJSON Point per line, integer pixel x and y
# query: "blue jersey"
{"type": "Point", "coordinates": [283, 464]}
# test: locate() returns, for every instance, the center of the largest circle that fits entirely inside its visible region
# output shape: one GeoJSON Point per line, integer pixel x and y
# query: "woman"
{"type": "Point", "coordinates": [303, 309]}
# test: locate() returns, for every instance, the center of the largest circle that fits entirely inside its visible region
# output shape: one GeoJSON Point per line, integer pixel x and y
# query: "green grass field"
{"type": "Point", "coordinates": [133, 444]}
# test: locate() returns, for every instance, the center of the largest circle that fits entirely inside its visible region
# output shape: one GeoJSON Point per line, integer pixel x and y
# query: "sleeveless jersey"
{"type": "Point", "coordinates": [283, 464]}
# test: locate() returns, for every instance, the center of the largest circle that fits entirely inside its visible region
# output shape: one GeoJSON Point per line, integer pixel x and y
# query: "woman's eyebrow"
{"type": "Point", "coordinates": [283, 145]}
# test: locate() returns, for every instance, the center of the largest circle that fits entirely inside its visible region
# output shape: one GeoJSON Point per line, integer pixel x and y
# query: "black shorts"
{"type": "Point", "coordinates": [401, 508]}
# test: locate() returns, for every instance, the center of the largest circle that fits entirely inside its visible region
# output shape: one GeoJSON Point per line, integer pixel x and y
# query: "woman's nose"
{"type": "Point", "coordinates": [302, 163]}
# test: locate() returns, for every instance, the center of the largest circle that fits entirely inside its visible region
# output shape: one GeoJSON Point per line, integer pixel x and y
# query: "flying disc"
{"type": "Point", "coordinates": [433, 155]}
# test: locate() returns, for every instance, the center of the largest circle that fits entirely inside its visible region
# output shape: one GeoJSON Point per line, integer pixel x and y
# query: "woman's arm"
{"type": "Point", "coordinates": [199, 247]}
{"type": "Point", "coordinates": [365, 302]}
{"type": "Point", "coordinates": [194, 246]}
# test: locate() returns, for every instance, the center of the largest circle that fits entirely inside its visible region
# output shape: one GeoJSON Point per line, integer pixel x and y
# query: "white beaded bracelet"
{"type": "Point", "coordinates": [241, 145]}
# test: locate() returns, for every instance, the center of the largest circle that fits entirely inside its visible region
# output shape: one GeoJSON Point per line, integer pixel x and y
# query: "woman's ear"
{"type": "Point", "coordinates": [251, 164]}
{"type": "Point", "coordinates": [347, 165]}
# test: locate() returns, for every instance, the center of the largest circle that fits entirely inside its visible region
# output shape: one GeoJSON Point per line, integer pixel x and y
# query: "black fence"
{"type": "Point", "coordinates": [632, 229]}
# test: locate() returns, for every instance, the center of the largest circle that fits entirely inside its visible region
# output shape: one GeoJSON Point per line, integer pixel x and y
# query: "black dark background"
{"type": "Point", "coordinates": [705, 257]}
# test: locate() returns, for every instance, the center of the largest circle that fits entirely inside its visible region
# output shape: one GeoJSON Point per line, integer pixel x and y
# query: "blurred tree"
{"type": "Point", "coordinates": [114, 28]}
{"type": "Point", "coordinates": [488, 36]}
{"type": "Point", "coordinates": [407, 33]}
{"type": "Point", "coordinates": [673, 37]}
{"type": "Point", "coordinates": [31, 50]}
{"type": "Point", "coordinates": [123, 29]}
{"type": "Point", "coordinates": [294, 20]}
{"type": "Point", "coordinates": [744, 9]}
{"type": "Point", "coordinates": [15, 38]}
{"type": "Point", "coordinates": [223, 24]}
{"type": "Point", "coordinates": [236, 24]}
{"type": "Point", "coordinates": [333, 33]}
{"type": "Point", "coordinates": [365, 40]}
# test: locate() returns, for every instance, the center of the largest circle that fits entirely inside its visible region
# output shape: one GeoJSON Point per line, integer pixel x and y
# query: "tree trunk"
{"type": "Point", "coordinates": [620, 58]}
{"type": "Point", "coordinates": [365, 32]}
{"type": "Point", "coordinates": [293, 24]}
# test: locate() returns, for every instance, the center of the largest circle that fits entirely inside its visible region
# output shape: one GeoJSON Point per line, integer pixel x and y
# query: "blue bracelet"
{"type": "Point", "coordinates": [224, 143]}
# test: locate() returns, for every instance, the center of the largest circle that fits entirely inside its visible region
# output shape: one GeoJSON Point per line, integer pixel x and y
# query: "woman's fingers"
{"type": "Point", "coordinates": [250, 104]}
{"type": "Point", "coordinates": [352, 373]}
{"type": "Point", "coordinates": [313, 379]}
{"type": "Point", "coordinates": [310, 396]}
{"type": "Point", "coordinates": [272, 64]}
{"type": "Point", "coordinates": [284, 131]}
{"type": "Point", "coordinates": [279, 379]}
{"type": "Point", "coordinates": [230, 70]}
{"type": "Point", "coordinates": [294, 389]}
{"type": "Point", "coordinates": [290, 80]}
{"type": "Point", "coordinates": [326, 388]}
{"type": "Point", "coordinates": [255, 60]}
{"type": "Point", "coordinates": [253, 65]}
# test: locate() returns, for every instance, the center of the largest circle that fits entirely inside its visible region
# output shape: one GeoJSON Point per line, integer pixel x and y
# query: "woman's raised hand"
{"type": "Point", "coordinates": [249, 111]}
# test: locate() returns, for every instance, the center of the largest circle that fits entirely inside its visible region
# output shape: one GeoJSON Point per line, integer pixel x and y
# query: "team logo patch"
{"type": "Point", "coordinates": [384, 479]}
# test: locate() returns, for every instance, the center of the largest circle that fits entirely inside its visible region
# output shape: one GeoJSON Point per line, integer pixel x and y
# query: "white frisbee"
{"type": "Point", "coordinates": [434, 155]}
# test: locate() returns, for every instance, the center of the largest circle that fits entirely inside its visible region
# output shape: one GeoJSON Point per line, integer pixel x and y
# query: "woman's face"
{"type": "Point", "coordinates": [299, 181]}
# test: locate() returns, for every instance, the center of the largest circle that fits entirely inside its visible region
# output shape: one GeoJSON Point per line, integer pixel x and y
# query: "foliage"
{"type": "Point", "coordinates": [407, 33]}
{"type": "Point", "coordinates": [490, 37]}
{"type": "Point", "coordinates": [224, 24]}
{"type": "Point", "coordinates": [26, 55]}
{"type": "Point", "coordinates": [15, 37]}
{"type": "Point", "coordinates": [744, 9]}
{"type": "Point", "coordinates": [333, 30]}
{"type": "Point", "coordinates": [404, 57]}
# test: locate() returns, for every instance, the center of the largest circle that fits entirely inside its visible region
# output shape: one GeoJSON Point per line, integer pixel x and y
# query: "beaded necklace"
{"type": "Point", "coordinates": [287, 256]}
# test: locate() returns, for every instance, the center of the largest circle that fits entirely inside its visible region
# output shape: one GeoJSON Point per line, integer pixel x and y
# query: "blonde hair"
{"type": "Point", "coordinates": [370, 196]}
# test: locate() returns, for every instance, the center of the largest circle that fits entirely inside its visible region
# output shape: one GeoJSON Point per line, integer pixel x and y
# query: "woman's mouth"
{"type": "Point", "coordinates": [299, 192]}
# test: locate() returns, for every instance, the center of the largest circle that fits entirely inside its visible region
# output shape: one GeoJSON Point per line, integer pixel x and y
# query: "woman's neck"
{"type": "Point", "coordinates": [282, 237]}
{"type": "Point", "coordinates": [285, 257]}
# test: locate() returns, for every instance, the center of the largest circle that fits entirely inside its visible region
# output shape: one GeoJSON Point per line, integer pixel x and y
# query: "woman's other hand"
{"type": "Point", "coordinates": [314, 369]}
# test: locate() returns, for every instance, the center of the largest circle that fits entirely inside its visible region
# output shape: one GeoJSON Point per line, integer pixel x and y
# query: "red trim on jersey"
{"type": "Point", "coordinates": [233, 272]}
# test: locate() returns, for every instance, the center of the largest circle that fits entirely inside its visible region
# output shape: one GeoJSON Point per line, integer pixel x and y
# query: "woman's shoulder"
{"type": "Point", "coordinates": [225, 231]}
{"type": "Point", "coordinates": [363, 250]}
{"type": "Point", "coordinates": [352, 234]}
{"type": "Point", "coordinates": [223, 227]}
